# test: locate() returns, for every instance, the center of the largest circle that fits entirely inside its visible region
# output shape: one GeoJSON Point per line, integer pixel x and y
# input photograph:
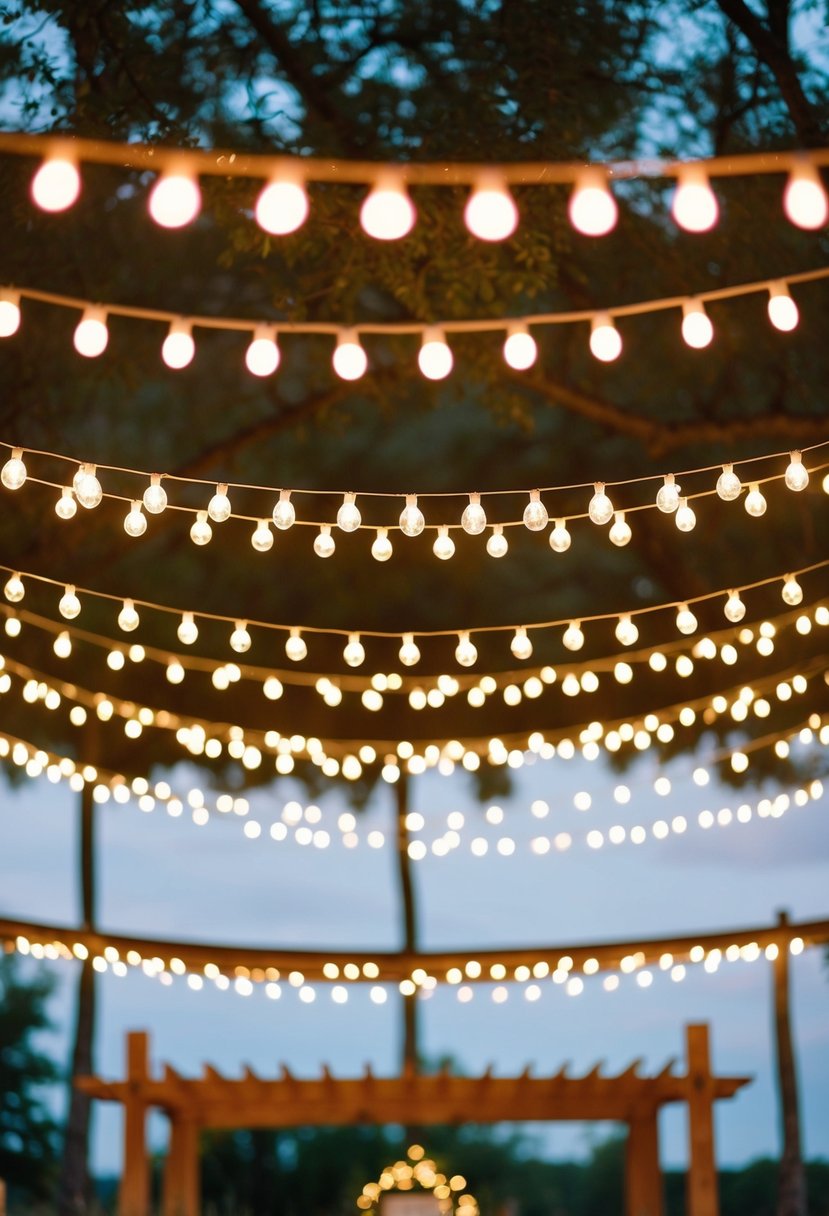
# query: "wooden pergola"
{"type": "Point", "coordinates": [217, 1101]}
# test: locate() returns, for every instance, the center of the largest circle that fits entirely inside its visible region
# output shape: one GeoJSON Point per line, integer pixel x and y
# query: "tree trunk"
{"type": "Point", "coordinates": [409, 910]}
{"type": "Point", "coordinates": [791, 1185]}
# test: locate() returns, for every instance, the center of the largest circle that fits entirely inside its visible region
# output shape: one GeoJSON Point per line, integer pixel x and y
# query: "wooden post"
{"type": "Point", "coordinates": [644, 1193]}
{"type": "Point", "coordinates": [134, 1198]}
{"type": "Point", "coordinates": [182, 1171]}
{"type": "Point", "coordinates": [702, 1193]}
{"type": "Point", "coordinates": [2, 1198]}
{"type": "Point", "coordinates": [791, 1184]}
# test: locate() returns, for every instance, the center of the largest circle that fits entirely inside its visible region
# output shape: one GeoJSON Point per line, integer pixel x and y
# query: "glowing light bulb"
{"type": "Point", "coordinates": [155, 496]}
{"type": "Point", "coordinates": [535, 513]}
{"type": "Point", "coordinates": [178, 347]}
{"type": "Point", "coordinates": [734, 608]}
{"type": "Point", "coordinates": [592, 208]}
{"type": "Point", "coordinates": [804, 199]}
{"type": "Point", "coordinates": [697, 330]}
{"type": "Point", "coordinates": [9, 313]}
{"type": "Point", "coordinates": [755, 502]}
{"type": "Point", "coordinates": [200, 532]}
{"type": "Point", "coordinates": [387, 213]}
{"type": "Point", "coordinates": [262, 537]}
{"type": "Point", "coordinates": [324, 543]}
{"type": "Point", "coordinates": [188, 630]}
{"type": "Point", "coordinates": [520, 349]}
{"type": "Point", "coordinates": [135, 523]}
{"type": "Point", "coordinates": [686, 622]}
{"type": "Point", "coordinates": [219, 506]}
{"type": "Point", "coordinates": [66, 507]}
{"type": "Point", "coordinates": [573, 638]}
{"type": "Point", "coordinates": [381, 549]}
{"type": "Point", "coordinates": [295, 647]}
{"type": "Point", "coordinates": [626, 631]}
{"type": "Point", "coordinates": [497, 545]}
{"type": "Point", "coordinates": [600, 508]}
{"type": "Point", "coordinates": [354, 653]}
{"type": "Point", "coordinates": [694, 205]}
{"type": "Point", "coordinates": [605, 339]}
{"type": "Point", "coordinates": [128, 618]}
{"type": "Point", "coordinates": [348, 516]}
{"type": "Point", "coordinates": [284, 515]}
{"type": "Point", "coordinates": [667, 498]}
{"type": "Point", "coordinates": [349, 359]}
{"type": "Point", "coordinates": [729, 485]}
{"type": "Point", "coordinates": [282, 206]}
{"type": "Point", "coordinates": [466, 652]}
{"type": "Point", "coordinates": [685, 518]}
{"type": "Point", "coordinates": [473, 520]}
{"type": "Point", "coordinates": [782, 309]}
{"type": "Point", "coordinates": [91, 333]}
{"type": "Point", "coordinates": [62, 645]}
{"type": "Point", "coordinates": [87, 487]}
{"type": "Point", "coordinates": [797, 475]}
{"type": "Point", "coordinates": [792, 591]}
{"type": "Point", "coordinates": [434, 358]}
{"type": "Point", "coordinates": [174, 672]}
{"type": "Point", "coordinates": [57, 184]}
{"type": "Point", "coordinates": [69, 606]}
{"type": "Point", "coordinates": [620, 532]}
{"type": "Point", "coordinates": [412, 522]}
{"type": "Point", "coordinates": [409, 654]}
{"type": "Point", "coordinates": [14, 589]}
{"type": "Point", "coordinates": [240, 638]}
{"type": "Point", "coordinates": [490, 213]}
{"type": "Point", "coordinates": [560, 538]}
{"type": "Point", "coordinates": [13, 473]}
{"type": "Point", "coordinates": [521, 645]}
{"type": "Point", "coordinates": [262, 355]}
{"type": "Point", "coordinates": [175, 199]}
{"type": "Point", "coordinates": [444, 546]}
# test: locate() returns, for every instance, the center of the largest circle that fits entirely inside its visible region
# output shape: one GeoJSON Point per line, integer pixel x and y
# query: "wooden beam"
{"type": "Point", "coordinates": [702, 1193]}
{"type": "Point", "coordinates": [181, 1191]}
{"type": "Point", "coordinates": [134, 1198]}
{"type": "Point", "coordinates": [644, 1190]}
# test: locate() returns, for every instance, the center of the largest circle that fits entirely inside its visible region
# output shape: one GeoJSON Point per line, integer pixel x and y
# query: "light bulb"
{"type": "Point", "coordinates": [627, 633]}
{"type": "Point", "coordinates": [473, 520]}
{"type": "Point", "coordinates": [697, 330]}
{"type": "Point", "coordinates": [69, 605]}
{"type": "Point", "coordinates": [686, 622]}
{"type": "Point", "coordinates": [782, 309]}
{"type": "Point", "coordinates": [14, 589]}
{"type": "Point", "coordinates": [412, 522]}
{"type": "Point", "coordinates": [620, 532]}
{"type": "Point", "coordinates": [178, 348]}
{"type": "Point", "coordinates": [348, 516]}
{"type": "Point", "coordinates": [66, 507]}
{"type": "Point", "coordinates": [490, 213]}
{"type": "Point", "coordinates": [262, 355]}
{"type": "Point", "coordinates": [600, 508]}
{"type": "Point", "coordinates": [282, 206]}
{"type": "Point", "coordinates": [349, 359]}
{"type": "Point", "coordinates": [219, 506]}
{"type": "Point", "coordinates": [694, 204]}
{"type": "Point", "coordinates": [535, 513]}
{"type": "Point", "coordinates": [155, 496]}
{"type": "Point", "coordinates": [324, 543]}
{"type": "Point", "coordinates": [605, 339]}
{"type": "Point", "coordinates": [174, 672]}
{"type": "Point", "coordinates": [387, 213]}
{"type": "Point", "coordinates": [792, 591]}
{"type": "Point", "coordinates": [409, 654]}
{"type": "Point", "coordinates": [592, 208]}
{"type": "Point", "coordinates": [175, 200]}
{"type": "Point", "coordinates": [755, 502]}
{"type": "Point", "coordinates": [797, 475]}
{"type": "Point", "coordinates": [188, 630]}
{"type": "Point", "coordinates": [200, 532]}
{"type": "Point", "coordinates": [57, 184]}
{"type": "Point", "coordinates": [381, 549]}
{"type": "Point", "coordinates": [434, 358]}
{"type": "Point", "coordinates": [295, 647]}
{"type": "Point", "coordinates": [521, 645]}
{"type": "Point", "coordinates": [804, 199]}
{"type": "Point", "coordinates": [685, 517]}
{"type": "Point", "coordinates": [13, 473]}
{"type": "Point", "coordinates": [284, 514]}
{"type": "Point", "coordinates": [87, 487]}
{"type": "Point", "coordinates": [497, 545]}
{"type": "Point", "coordinates": [734, 608]}
{"type": "Point", "coordinates": [444, 546]}
{"type": "Point", "coordinates": [729, 485]}
{"type": "Point", "coordinates": [262, 538]}
{"type": "Point", "coordinates": [560, 538]}
{"type": "Point", "coordinates": [465, 652]}
{"type": "Point", "coordinates": [240, 638]}
{"type": "Point", "coordinates": [354, 653]}
{"type": "Point", "coordinates": [667, 498]}
{"type": "Point", "coordinates": [62, 645]}
{"type": "Point", "coordinates": [573, 638]}
{"type": "Point", "coordinates": [135, 523]}
{"type": "Point", "coordinates": [520, 349]}
{"type": "Point", "coordinates": [128, 618]}
{"type": "Point", "coordinates": [9, 313]}
{"type": "Point", "coordinates": [91, 333]}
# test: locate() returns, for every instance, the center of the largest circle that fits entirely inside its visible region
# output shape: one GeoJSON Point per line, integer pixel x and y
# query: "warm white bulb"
{"type": "Point", "coordinates": [178, 347]}
{"type": "Point", "coordinates": [219, 506]}
{"type": "Point", "coordinates": [69, 606]}
{"type": "Point", "coordinates": [627, 633]}
{"type": "Point", "coordinates": [262, 538]}
{"type": "Point", "coordinates": [804, 200]}
{"type": "Point", "coordinates": [175, 200]}
{"type": "Point", "coordinates": [240, 638]}
{"type": "Point", "coordinates": [87, 487]}
{"type": "Point", "coordinates": [685, 518]}
{"type": "Point", "coordinates": [409, 654]}
{"type": "Point", "coordinates": [13, 473]}
{"type": "Point", "coordinates": [755, 502]}
{"type": "Point", "coordinates": [349, 359]}
{"type": "Point", "coordinates": [444, 546]}
{"type": "Point", "coordinates": [592, 208]}
{"type": "Point", "coordinates": [697, 330]}
{"type": "Point", "coordinates": [560, 538]}
{"type": "Point", "coordinates": [282, 207]}
{"type": "Point", "coordinates": [667, 498]}
{"type": "Point", "coordinates": [175, 672]}
{"type": "Point", "coordinates": [473, 520]}
{"type": "Point", "coordinates": [262, 355]}
{"type": "Point", "coordinates": [490, 213]}
{"type": "Point", "coordinates": [66, 507]}
{"type": "Point", "coordinates": [792, 591]}
{"type": "Point", "coordinates": [412, 522]}
{"type": "Point", "coordinates": [155, 496]}
{"type": "Point", "coordinates": [9, 313]}
{"type": "Point", "coordinates": [434, 357]}
{"type": "Point", "coordinates": [354, 653]}
{"type": "Point", "coordinates": [729, 485]}
{"type": "Point", "coordinates": [573, 638]}
{"type": "Point", "coordinates": [694, 204]}
{"type": "Point", "coordinates": [686, 622]}
{"type": "Point", "coordinates": [782, 309]}
{"type": "Point", "coordinates": [188, 630]}
{"type": "Point", "coordinates": [57, 184]}
{"type": "Point", "coordinates": [600, 508]}
{"type": "Point", "coordinates": [14, 589]}
{"type": "Point", "coordinates": [348, 516]}
{"type": "Point", "coordinates": [387, 213]}
{"type": "Point", "coordinates": [200, 532]}
{"type": "Point", "coordinates": [91, 333]}
{"type": "Point", "coordinates": [465, 652]}
{"type": "Point", "coordinates": [620, 533]}
{"type": "Point", "coordinates": [62, 645]}
{"type": "Point", "coordinates": [734, 608]}
{"type": "Point", "coordinates": [128, 618]}
{"type": "Point", "coordinates": [381, 549]}
{"type": "Point", "coordinates": [797, 475]}
{"type": "Point", "coordinates": [135, 523]}
{"type": "Point", "coordinates": [520, 350]}
{"type": "Point", "coordinates": [535, 513]}
{"type": "Point", "coordinates": [284, 515]}
{"type": "Point", "coordinates": [324, 543]}
{"type": "Point", "coordinates": [521, 645]}
{"type": "Point", "coordinates": [295, 647]}
{"type": "Point", "coordinates": [497, 545]}
{"type": "Point", "coordinates": [605, 339]}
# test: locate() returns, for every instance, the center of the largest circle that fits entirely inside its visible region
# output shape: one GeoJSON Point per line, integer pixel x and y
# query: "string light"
{"type": "Point", "coordinates": [782, 309]}
{"type": "Point", "coordinates": [219, 506]}
{"type": "Point", "coordinates": [605, 339]}
{"type": "Point", "coordinates": [284, 514]}
{"type": "Point", "coordinates": [600, 508]}
{"type": "Point", "coordinates": [473, 520]}
{"type": "Point", "coordinates": [66, 507]}
{"type": "Point", "coordinates": [535, 513]}
{"type": "Point", "coordinates": [729, 485]}
{"type": "Point", "coordinates": [697, 330]}
{"type": "Point", "coordinates": [435, 358]}
{"type": "Point", "coordinates": [755, 503]}
{"type": "Point", "coordinates": [465, 652]}
{"type": "Point", "coordinates": [409, 654]}
{"type": "Point", "coordinates": [560, 538]}
{"type": "Point", "coordinates": [262, 538]}
{"type": "Point", "coordinates": [349, 359]}
{"type": "Point", "coordinates": [91, 333]}
{"type": "Point", "coordinates": [734, 609]}
{"type": "Point", "coordinates": [797, 475]}
{"type": "Point", "coordinates": [694, 205]}
{"type": "Point", "coordinates": [324, 543]}
{"type": "Point", "coordinates": [592, 208]}
{"type": "Point", "coordinates": [128, 618]}
{"type": "Point", "coordinates": [175, 199]}
{"type": "Point", "coordinates": [56, 184]}
{"type": "Point", "coordinates": [444, 546]}
{"type": "Point", "coordinates": [282, 206]}
{"type": "Point", "coordinates": [685, 517]}
{"type": "Point", "coordinates": [187, 631]}
{"type": "Point", "coordinates": [295, 647]}
{"type": "Point", "coordinates": [262, 355]}
{"type": "Point", "coordinates": [804, 199]}
{"type": "Point", "coordinates": [792, 591]}
{"type": "Point", "coordinates": [381, 549]}
{"type": "Point", "coordinates": [521, 645]}
{"type": "Point", "coordinates": [13, 473]}
{"type": "Point", "coordinates": [490, 213]}
{"type": "Point", "coordinates": [155, 496]}
{"type": "Point", "coordinates": [348, 516]}
{"type": "Point", "coordinates": [387, 213]}
{"type": "Point", "coordinates": [178, 347]}
{"type": "Point", "coordinates": [686, 622]}
{"type": "Point", "coordinates": [412, 522]}
{"type": "Point", "coordinates": [9, 313]}
{"type": "Point", "coordinates": [497, 544]}
{"type": "Point", "coordinates": [200, 531]}
{"type": "Point", "coordinates": [69, 606]}
{"type": "Point", "coordinates": [520, 348]}
{"type": "Point", "coordinates": [135, 523]}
